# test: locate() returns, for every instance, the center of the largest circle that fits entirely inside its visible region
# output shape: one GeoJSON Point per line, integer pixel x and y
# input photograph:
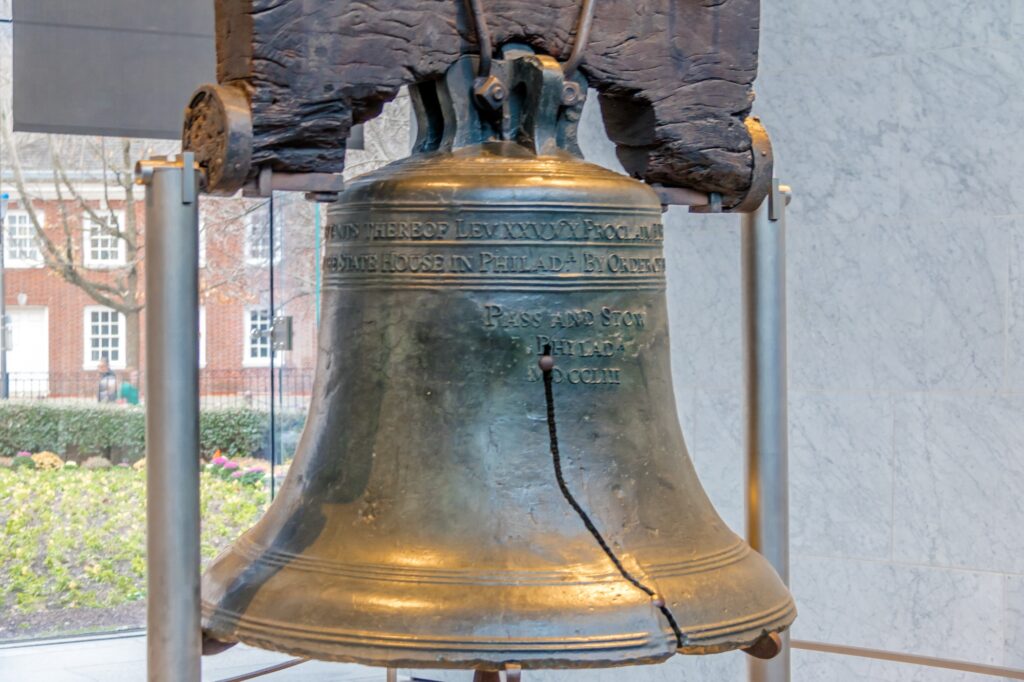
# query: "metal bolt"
{"type": "Point", "coordinates": [490, 92]}
{"type": "Point", "coordinates": [572, 93]}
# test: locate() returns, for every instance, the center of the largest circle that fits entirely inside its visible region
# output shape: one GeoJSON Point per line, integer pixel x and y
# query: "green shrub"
{"type": "Point", "coordinates": [23, 461]}
{"type": "Point", "coordinates": [119, 431]}
{"type": "Point", "coordinates": [29, 426]}
{"type": "Point", "coordinates": [235, 432]}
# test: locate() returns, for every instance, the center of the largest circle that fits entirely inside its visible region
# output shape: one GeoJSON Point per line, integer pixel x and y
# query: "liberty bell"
{"type": "Point", "coordinates": [492, 475]}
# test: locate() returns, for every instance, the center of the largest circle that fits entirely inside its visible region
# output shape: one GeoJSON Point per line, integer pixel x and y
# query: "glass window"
{"type": "Point", "coordinates": [257, 337]}
{"type": "Point", "coordinates": [104, 337]}
{"type": "Point", "coordinates": [103, 248]}
{"type": "Point", "coordinates": [202, 243]}
{"type": "Point", "coordinates": [21, 246]}
{"type": "Point", "coordinates": [257, 238]}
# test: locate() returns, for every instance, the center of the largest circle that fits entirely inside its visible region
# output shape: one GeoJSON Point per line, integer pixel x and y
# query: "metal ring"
{"type": "Point", "coordinates": [579, 46]}
{"type": "Point", "coordinates": [483, 37]}
{"type": "Point", "coordinates": [583, 24]}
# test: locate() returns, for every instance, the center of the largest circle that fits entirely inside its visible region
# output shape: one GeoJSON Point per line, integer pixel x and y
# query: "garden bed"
{"type": "Point", "coordinates": [72, 544]}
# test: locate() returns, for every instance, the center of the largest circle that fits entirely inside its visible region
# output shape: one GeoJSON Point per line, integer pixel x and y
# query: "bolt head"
{"type": "Point", "coordinates": [571, 93]}
{"type": "Point", "coordinates": [490, 92]}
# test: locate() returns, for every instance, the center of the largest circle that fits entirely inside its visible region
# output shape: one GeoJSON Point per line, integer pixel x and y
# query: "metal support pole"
{"type": "Point", "coordinates": [172, 418]}
{"type": "Point", "coordinates": [763, 249]}
{"type": "Point", "coordinates": [5, 330]}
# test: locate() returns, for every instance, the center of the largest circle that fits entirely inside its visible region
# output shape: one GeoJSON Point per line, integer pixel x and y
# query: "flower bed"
{"type": "Point", "coordinates": [72, 540]}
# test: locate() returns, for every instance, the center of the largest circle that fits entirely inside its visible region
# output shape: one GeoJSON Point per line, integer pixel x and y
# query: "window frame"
{"type": "Point", "coordinates": [261, 214]}
{"type": "Point", "coordinates": [21, 263]}
{"type": "Point", "coordinates": [248, 345]}
{"type": "Point", "coordinates": [88, 225]}
{"type": "Point", "coordinates": [122, 337]}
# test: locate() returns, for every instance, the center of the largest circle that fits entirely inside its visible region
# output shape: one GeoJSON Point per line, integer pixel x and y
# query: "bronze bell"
{"type": "Point", "coordinates": [492, 473]}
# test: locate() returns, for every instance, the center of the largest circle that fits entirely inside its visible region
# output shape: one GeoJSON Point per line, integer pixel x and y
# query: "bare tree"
{"type": "Point", "coordinates": [387, 138]}
{"type": "Point", "coordinates": [108, 224]}
{"type": "Point", "coordinates": [61, 165]}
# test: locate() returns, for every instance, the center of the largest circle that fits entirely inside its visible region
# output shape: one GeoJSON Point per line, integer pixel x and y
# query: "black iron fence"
{"type": "Point", "coordinates": [218, 387]}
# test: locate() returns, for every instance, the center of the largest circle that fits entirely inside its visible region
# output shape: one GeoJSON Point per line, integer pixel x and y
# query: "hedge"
{"type": "Point", "coordinates": [79, 430]}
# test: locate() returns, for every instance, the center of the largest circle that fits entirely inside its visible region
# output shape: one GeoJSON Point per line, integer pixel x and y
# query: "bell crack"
{"type": "Point", "coordinates": [547, 363]}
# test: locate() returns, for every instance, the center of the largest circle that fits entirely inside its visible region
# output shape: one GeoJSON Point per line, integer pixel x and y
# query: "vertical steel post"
{"type": "Point", "coordinates": [5, 327]}
{"type": "Point", "coordinates": [318, 284]}
{"type": "Point", "coordinates": [172, 418]}
{"type": "Point", "coordinates": [5, 331]}
{"type": "Point", "coordinates": [763, 249]}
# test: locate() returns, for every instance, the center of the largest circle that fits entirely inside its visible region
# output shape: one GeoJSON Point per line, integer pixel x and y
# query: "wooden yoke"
{"type": "Point", "coordinates": [674, 79]}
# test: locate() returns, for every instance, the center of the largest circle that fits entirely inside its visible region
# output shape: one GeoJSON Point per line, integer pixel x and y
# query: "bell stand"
{"type": "Point", "coordinates": [174, 640]}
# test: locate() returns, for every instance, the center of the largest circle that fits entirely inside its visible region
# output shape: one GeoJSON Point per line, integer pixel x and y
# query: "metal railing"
{"type": "Point", "coordinates": [249, 387]}
{"type": "Point", "coordinates": [910, 659]}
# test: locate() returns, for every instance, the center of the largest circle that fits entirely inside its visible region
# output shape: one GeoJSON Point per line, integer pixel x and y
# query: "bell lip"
{"type": "Point", "coordinates": [644, 652]}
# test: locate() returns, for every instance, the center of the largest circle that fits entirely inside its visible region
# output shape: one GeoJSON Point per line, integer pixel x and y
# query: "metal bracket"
{"type": "Point", "coordinates": [279, 332]}
{"type": "Point", "coordinates": [322, 187]}
{"type": "Point", "coordinates": [524, 98]}
{"type": "Point", "coordinates": [778, 198]}
{"type": "Point", "coordinates": [680, 196]}
{"type": "Point", "coordinates": [762, 185]}
{"type": "Point", "coordinates": [6, 339]}
{"type": "Point", "coordinates": [761, 175]}
{"type": "Point", "coordinates": [144, 169]}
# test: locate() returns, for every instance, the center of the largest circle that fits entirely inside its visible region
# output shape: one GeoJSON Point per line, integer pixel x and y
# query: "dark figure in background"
{"type": "Point", "coordinates": [107, 390]}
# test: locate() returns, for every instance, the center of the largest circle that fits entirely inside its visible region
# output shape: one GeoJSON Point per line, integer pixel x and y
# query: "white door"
{"type": "Point", "coordinates": [28, 361]}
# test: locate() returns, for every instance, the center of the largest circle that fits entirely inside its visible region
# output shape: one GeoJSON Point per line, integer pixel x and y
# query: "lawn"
{"type": "Point", "coordinates": [72, 544]}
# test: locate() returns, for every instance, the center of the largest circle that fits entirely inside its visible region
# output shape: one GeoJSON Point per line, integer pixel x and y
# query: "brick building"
{"type": "Point", "coordinates": [59, 332]}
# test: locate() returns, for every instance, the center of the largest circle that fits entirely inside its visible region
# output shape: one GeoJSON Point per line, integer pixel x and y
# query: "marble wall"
{"type": "Point", "coordinates": [899, 126]}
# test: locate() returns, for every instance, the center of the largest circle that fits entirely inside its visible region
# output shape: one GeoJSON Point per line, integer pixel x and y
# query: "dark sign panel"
{"type": "Point", "coordinates": [109, 67]}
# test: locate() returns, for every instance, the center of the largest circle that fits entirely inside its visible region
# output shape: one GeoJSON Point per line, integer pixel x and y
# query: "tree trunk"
{"type": "Point", "coordinates": [133, 337]}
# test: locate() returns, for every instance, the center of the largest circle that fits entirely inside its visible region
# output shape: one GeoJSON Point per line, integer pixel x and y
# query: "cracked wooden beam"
{"type": "Point", "coordinates": [674, 78]}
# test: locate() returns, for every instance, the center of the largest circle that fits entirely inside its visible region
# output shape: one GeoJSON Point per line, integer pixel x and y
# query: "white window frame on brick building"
{"type": "Point", "coordinates": [21, 246]}
{"type": "Point", "coordinates": [257, 352]}
{"type": "Point", "coordinates": [102, 250]}
{"type": "Point", "coordinates": [257, 238]}
{"type": "Point", "coordinates": [106, 327]}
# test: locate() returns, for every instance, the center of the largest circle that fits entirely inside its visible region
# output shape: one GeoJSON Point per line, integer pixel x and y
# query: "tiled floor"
{"type": "Point", "coordinates": [123, 659]}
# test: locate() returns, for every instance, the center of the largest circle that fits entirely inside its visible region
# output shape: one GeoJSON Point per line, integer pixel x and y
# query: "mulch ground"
{"type": "Point", "coordinates": [69, 622]}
